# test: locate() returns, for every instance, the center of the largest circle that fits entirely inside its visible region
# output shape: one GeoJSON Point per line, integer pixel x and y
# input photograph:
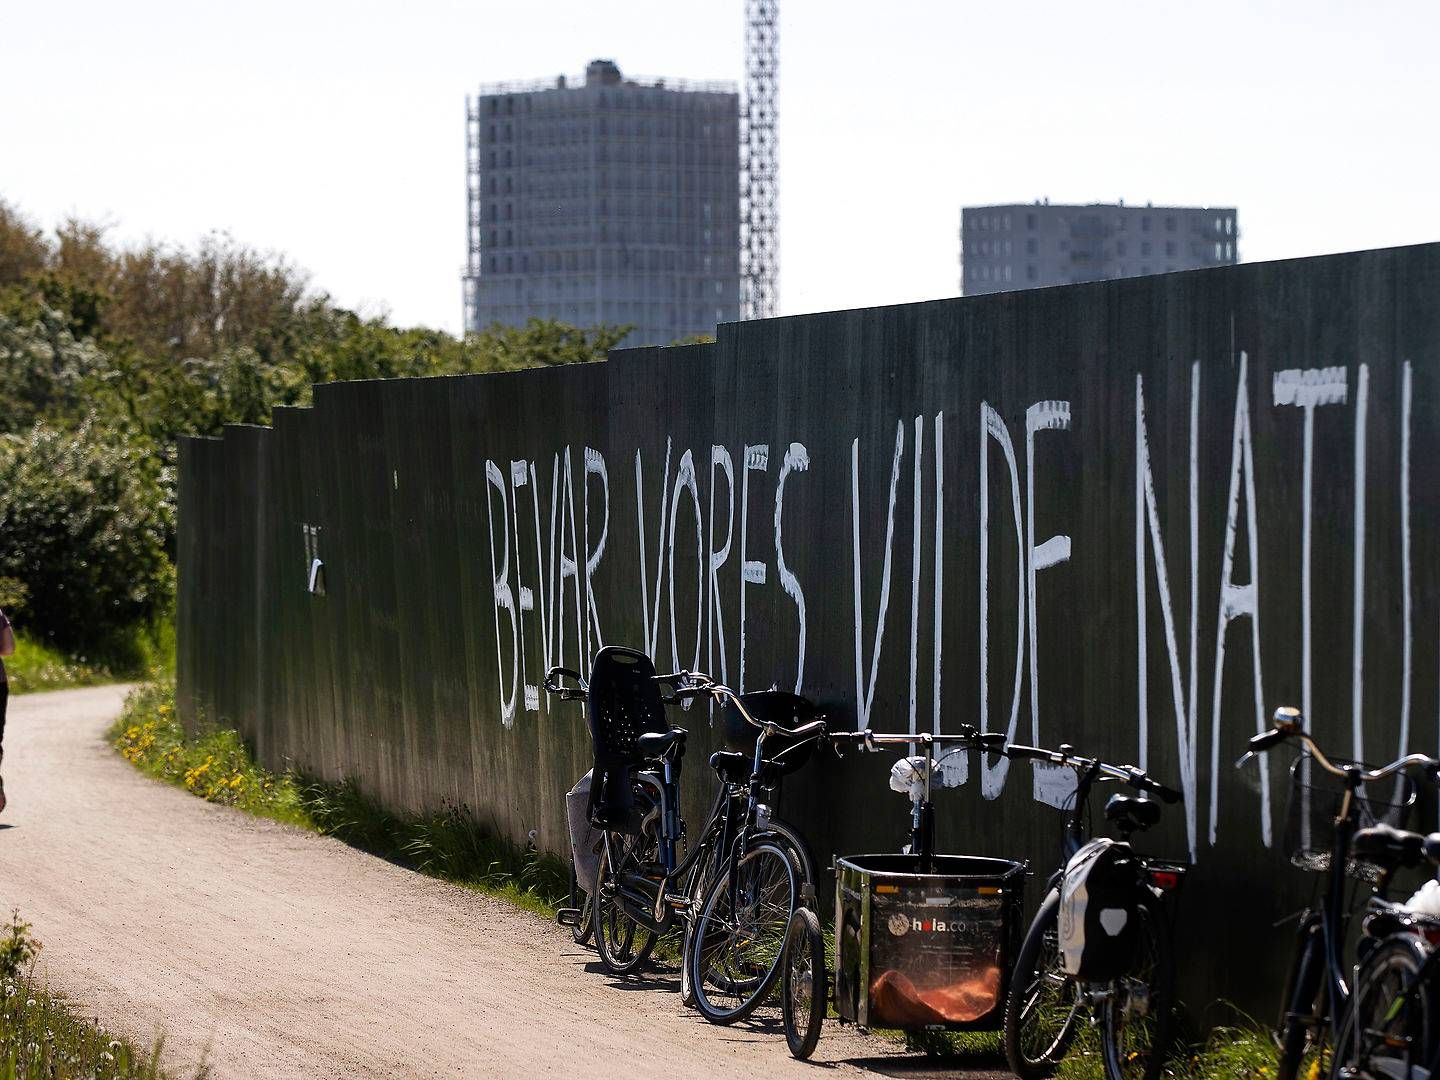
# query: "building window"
{"type": "Point", "coordinates": [1007, 221]}
{"type": "Point", "coordinates": [1170, 223]}
{"type": "Point", "coordinates": [1145, 248]}
{"type": "Point", "coordinates": [1217, 252]}
{"type": "Point", "coordinates": [1007, 273]}
{"type": "Point", "coordinates": [1229, 225]}
{"type": "Point", "coordinates": [1169, 247]}
{"type": "Point", "coordinates": [1030, 221]}
{"type": "Point", "coordinates": [1120, 247]}
{"type": "Point", "coordinates": [1032, 247]}
{"type": "Point", "coordinates": [1030, 272]}
{"type": "Point", "coordinates": [1145, 223]}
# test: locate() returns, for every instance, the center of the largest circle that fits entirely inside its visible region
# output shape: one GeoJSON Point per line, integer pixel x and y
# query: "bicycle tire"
{"type": "Point", "coordinates": [803, 993]}
{"type": "Point", "coordinates": [584, 930]}
{"type": "Point", "coordinates": [775, 828]}
{"type": "Point", "coordinates": [1036, 1034]}
{"type": "Point", "coordinates": [1137, 1017]}
{"type": "Point", "coordinates": [739, 940]}
{"type": "Point", "coordinates": [1390, 969]}
{"type": "Point", "coordinates": [699, 884]}
{"type": "Point", "coordinates": [1301, 1032]}
{"type": "Point", "coordinates": [579, 900]}
{"type": "Point", "coordinates": [616, 933]}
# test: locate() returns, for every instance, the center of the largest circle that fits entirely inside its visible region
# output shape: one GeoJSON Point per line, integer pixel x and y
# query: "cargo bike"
{"type": "Point", "coordinates": [923, 941]}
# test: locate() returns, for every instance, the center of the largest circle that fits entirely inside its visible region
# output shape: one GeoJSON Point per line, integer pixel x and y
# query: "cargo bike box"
{"type": "Point", "coordinates": [926, 951]}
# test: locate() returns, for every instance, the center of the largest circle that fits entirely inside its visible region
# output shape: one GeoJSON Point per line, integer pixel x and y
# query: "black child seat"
{"type": "Point", "coordinates": [627, 727]}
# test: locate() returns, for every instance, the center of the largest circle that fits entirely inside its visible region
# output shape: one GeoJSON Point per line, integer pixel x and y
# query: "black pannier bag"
{"type": "Point", "coordinates": [1098, 921]}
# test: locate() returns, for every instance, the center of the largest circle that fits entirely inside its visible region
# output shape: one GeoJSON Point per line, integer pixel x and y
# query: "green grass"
{"type": "Point", "coordinates": [44, 1035]}
{"type": "Point", "coordinates": [36, 666]}
{"type": "Point", "coordinates": [448, 843]}
{"type": "Point", "coordinates": [142, 653]}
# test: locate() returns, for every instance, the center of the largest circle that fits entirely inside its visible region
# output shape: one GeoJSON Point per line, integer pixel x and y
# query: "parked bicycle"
{"type": "Point", "coordinates": [737, 887]}
{"type": "Point", "coordinates": [1391, 1029]}
{"type": "Point", "coordinates": [1322, 825]}
{"type": "Point", "coordinates": [923, 941]}
{"type": "Point", "coordinates": [1099, 947]}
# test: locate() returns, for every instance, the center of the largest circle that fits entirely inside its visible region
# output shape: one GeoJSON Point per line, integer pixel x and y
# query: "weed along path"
{"type": "Point", "coordinates": [273, 952]}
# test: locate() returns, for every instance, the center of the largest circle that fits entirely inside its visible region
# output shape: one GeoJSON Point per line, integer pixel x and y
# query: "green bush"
{"type": "Point", "coordinates": [85, 517]}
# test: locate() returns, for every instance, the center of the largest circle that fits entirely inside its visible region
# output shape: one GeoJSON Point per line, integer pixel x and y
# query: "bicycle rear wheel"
{"type": "Point", "coordinates": [1390, 1026]}
{"type": "Point", "coordinates": [699, 885]}
{"type": "Point", "coordinates": [623, 943]}
{"type": "Point", "coordinates": [739, 937]}
{"type": "Point", "coordinates": [582, 902]}
{"type": "Point", "coordinates": [1044, 1008]}
{"type": "Point", "coordinates": [1139, 1008]}
{"type": "Point", "coordinates": [803, 984]}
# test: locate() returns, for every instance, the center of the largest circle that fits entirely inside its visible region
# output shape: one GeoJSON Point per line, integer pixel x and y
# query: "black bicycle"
{"type": "Point", "coordinates": [736, 888]}
{"type": "Point", "coordinates": [1099, 947]}
{"type": "Point", "coordinates": [1327, 814]}
{"type": "Point", "coordinates": [1391, 1029]}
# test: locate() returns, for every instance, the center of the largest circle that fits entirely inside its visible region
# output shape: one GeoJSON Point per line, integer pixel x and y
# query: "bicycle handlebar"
{"type": "Point", "coordinates": [1133, 775]}
{"type": "Point", "coordinates": [1290, 724]}
{"type": "Point", "coordinates": [553, 685]}
{"type": "Point", "coordinates": [693, 684]}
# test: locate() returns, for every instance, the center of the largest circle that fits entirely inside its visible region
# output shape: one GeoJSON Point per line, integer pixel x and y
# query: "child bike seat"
{"type": "Point", "coordinates": [623, 704]}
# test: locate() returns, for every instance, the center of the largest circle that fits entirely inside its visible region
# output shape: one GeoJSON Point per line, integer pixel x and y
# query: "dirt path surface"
{"type": "Point", "coordinates": [273, 952]}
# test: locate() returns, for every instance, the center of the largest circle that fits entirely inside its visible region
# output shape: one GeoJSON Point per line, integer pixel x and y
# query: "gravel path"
{"type": "Point", "coordinates": [272, 952]}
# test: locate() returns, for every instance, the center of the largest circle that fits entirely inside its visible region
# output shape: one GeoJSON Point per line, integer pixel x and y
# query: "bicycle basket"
{"type": "Point", "coordinates": [1315, 802]}
{"type": "Point", "coordinates": [777, 707]}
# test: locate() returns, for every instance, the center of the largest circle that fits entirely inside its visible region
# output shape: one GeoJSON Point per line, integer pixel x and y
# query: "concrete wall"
{"type": "Point", "coordinates": [1134, 516]}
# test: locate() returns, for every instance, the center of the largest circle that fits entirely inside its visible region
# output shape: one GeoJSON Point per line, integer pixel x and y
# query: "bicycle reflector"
{"type": "Point", "coordinates": [1165, 880]}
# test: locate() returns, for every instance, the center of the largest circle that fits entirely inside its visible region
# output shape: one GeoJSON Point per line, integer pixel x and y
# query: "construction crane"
{"type": "Point", "coordinates": [759, 176]}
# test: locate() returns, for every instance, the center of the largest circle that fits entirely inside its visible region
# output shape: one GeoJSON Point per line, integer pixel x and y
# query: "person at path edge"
{"type": "Point", "coordinates": [7, 648]}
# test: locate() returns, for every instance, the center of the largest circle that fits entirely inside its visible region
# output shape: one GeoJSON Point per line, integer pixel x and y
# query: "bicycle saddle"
{"type": "Point", "coordinates": [658, 744]}
{"type": "Point", "coordinates": [1386, 844]}
{"type": "Point", "coordinates": [1131, 812]}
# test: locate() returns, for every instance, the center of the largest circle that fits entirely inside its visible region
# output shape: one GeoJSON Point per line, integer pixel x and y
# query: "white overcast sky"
{"type": "Point", "coordinates": [333, 132]}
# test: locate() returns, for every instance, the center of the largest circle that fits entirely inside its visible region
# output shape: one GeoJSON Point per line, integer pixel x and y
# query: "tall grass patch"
{"type": "Point", "coordinates": [43, 1035]}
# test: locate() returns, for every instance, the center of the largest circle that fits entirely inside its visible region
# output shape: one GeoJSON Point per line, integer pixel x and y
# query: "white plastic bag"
{"type": "Point", "coordinates": [907, 776]}
{"type": "Point", "coordinates": [1426, 900]}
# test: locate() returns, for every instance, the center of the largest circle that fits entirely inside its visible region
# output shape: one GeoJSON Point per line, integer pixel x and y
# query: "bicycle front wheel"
{"type": "Point", "coordinates": [738, 939]}
{"type": "Point", "coordinates": [803, 984]}
{"type": "Point", "coordinates": [1044, 1008]}
{"type": "Point", "coordinates": [1390, 1024]}
{"type": "Point", "coordinates": [1140, 1005]}
{"type": "Point", "coordinates": [1305, 1022]}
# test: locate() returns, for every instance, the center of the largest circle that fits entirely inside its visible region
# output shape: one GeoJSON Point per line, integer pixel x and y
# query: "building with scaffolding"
{"type": "Point", "coordinates": [604, 200]}
{"type": "Point", "coordinates": [1031, 245]}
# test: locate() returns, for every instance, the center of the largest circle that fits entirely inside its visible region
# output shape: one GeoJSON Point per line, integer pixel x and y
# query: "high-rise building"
{"type": "Point", "coordinates": [1030, 245]}
{"type": "Point", "coordinates": [606, 199]}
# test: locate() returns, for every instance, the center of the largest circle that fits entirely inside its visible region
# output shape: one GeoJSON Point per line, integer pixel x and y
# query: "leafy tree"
{"type": "Point", "coordinates": [85, 516]}
{"type": "Point", "coordinates": [45, 371]}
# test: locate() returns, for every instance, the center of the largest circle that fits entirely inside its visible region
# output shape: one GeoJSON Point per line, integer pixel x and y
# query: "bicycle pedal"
{"type": "Point", "coordinates": [568, 916]}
